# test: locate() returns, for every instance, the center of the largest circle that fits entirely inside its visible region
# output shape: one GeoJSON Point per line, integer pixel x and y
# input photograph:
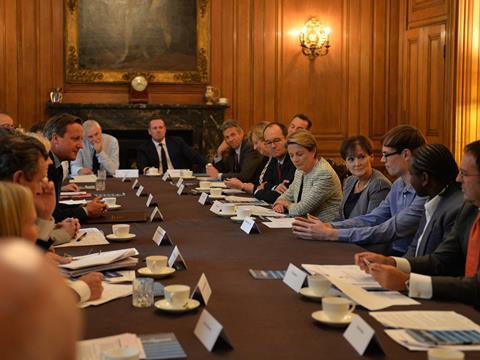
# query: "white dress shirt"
{"type": "Point", "coordinates": [108, 158]}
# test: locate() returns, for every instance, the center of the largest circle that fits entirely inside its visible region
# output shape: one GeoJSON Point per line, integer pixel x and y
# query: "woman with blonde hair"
{"type": "Point", "coordinates": [17, 212]}
{"type": "Point", "coordinates": [316, 188]}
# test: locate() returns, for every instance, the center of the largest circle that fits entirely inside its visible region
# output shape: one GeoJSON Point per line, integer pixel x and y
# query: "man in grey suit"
{"type": "Point", "coordinates": [235, 157]}
{"type": "Point", "coordinates": [451, 272]}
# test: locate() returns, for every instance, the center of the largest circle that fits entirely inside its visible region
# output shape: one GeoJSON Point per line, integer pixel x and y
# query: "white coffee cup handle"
{"type": "Point", "coordinates": [351, 308]}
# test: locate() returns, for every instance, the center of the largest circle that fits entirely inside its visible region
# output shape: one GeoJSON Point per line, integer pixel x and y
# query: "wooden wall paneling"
{"type": "Point", "coordinates": [411, 91]}
{"type": "Point", "coordinates": [272, 37]}
{"type": "Point", "coordinates": [426, 12]}
{"type": "Point", "coordinates": [3, 56]}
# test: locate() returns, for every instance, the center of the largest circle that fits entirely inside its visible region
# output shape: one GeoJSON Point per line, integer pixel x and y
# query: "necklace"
{"type": "Point", "coordinates": [360, 188]}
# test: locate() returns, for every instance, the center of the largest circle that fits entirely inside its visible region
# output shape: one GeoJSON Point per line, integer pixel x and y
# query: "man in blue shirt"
{"type": "Point", "coordinates": [390, 227]}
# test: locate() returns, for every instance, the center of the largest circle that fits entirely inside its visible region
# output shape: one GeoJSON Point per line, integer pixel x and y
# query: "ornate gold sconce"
{"type": "Point", "coordinates": [314, 39]}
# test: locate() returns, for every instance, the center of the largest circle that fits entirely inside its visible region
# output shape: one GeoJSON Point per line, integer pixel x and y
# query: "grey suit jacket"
{"type": "Point", "coordinates": [370, 198]}
{"type": "Point", "coordinates": [446, 264]}
{"type": "Point", "coordinates": [440, 224]}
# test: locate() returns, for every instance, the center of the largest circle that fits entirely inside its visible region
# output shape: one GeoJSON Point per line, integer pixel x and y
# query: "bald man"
{"type": "Point", "coordinates": [39, 313]}
{"type": "Point", "coordinates": [6, 121]}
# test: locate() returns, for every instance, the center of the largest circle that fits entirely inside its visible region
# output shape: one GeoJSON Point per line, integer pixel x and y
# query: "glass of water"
{"type": "Point", "coordinates": [142, 295]}
{"type": "Point", "coordinates": [101, 179]}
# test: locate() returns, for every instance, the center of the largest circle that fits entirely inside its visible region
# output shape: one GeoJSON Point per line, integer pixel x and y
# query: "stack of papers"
{"type": "Point", "coordinates": [84, 179]}
{"type": "Point", "coordinates": [93, 237]}
{"type": "Point", "coordinates": [402, 321]}
{"type": "Point", "coordinates": [110, 292]}
{"type": "Point", "coordinates": [101, 261]}
{"type": "Point", "coordinates": [279, 223]}
{"type": "Point", "coordinates": [245, 200]}
{"type": "Point", "coordinates": [73, 202]}
{"type": "Point", "coordinates": [352, 284]}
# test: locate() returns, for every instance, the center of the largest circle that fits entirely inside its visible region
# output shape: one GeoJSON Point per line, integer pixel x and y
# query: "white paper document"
{"type": "Point", "coordinates": [403, 338]}
{"type": "Point", "coordinates": [93, 237]}
{"type": "Point", "coordinates": [73, 202]}
{"type": "Point", "coordinates": [84, 179]}
{"type": "Point", "coordinates": [110, 292]}
{"type": "Point", "coordinates": [241, 199]}
{"type": "Point", "coordinates": [93, 349]}
{"type": "Point", "coordinates": [232, 191]}
{"type": "Point", "coordinates": [129, 173]}
{"type": "Point", "coordinates": [349, 273]}
{"type": "Point", "coordinates": [424, 320]}
{"type": "Point", "coordinates": [100, 258]}
{"type": "Point", "coordinates": [73, 193]}
{"type": "Point", "coordinates": [279, 223]}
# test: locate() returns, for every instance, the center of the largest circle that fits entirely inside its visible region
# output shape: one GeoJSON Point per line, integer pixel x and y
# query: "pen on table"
{"type": "Point", "coordinates": [366, 262]}
{"type": "Point", "coordinates": [81, 236]}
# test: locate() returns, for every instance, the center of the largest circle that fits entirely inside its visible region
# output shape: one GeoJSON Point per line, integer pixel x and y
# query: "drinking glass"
{"type": "Point", "coordinates": [101, 179]}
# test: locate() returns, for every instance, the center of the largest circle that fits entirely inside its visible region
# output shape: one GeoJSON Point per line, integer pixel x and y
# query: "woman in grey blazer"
{"type": "Point", "coordinates": [316, 188]}
{"type": "Point", "coordinates": [367, 187]}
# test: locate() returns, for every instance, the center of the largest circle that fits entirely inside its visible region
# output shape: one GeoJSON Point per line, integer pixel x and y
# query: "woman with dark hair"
{"type": "Point", "coordinates": [367, 187]}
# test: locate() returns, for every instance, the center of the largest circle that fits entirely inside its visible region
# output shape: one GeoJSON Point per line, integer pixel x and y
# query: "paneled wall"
{"type": "Point", "coordinates": [257, 63]}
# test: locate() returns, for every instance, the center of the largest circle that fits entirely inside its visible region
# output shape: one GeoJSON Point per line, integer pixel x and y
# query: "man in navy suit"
{"type": "Point", "coordinates": [163, 153]}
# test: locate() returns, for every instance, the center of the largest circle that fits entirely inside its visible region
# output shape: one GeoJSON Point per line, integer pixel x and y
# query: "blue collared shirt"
{"type": "Point", "coordinates": [395, 220]}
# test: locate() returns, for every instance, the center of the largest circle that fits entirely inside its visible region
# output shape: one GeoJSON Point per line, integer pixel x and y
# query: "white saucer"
{"type": "Point", "coordinates": [219, 197]}
{"type": "Point", "coordinates": [164, 273]}
{"type": "Point", "coordinates": [239, 219]}
{"type": "Point", "coordinates": [166, 306]}
{"type": "Point", "coordinates": [321, 317]}
{"type": "Point", "coordinates": [114, 207]}
{"type": "Point", "coordinates": [113, 237]}
{"type": "Point", "coordinates": [202, 189]}
{"type": "Point", "coordinates": [309, 293]}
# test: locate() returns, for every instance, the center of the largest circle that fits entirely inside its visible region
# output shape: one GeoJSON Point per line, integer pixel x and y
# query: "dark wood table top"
{"type": "Point", "coordinates": [264, 319]}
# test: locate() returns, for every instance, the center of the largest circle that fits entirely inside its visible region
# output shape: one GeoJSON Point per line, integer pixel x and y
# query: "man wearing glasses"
{"type": "Point", "coordinates": [390, 228]}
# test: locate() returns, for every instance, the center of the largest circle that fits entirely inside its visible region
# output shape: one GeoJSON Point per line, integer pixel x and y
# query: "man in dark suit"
{"type": "Point", "coordinates": [235, 157]}
{"type": "Point", "coordinates": [280, 171]}
{"type": "Point", "coordinates": [451, 272]}
{"type": "Point", "coordinates": [65, 133]}
{"type": "Point", "coordinates": [166, 152]}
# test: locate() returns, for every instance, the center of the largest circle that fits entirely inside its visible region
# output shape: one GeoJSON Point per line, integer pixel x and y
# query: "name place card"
{"type": "Point", "coordinates": [176, 260]}
{"type": "Point", "coordinates": [135, 183]}
{"type": "Point", "coordinates": [216, 207]}
{"type": "Point", "coordinates": [294, 277]}
{"type": "Point", "coordinates": [139, 191]}
{"type": "Point", "coordinates": [210, 332]}
{"type": "Point", "coordinates": [203, 198]}
{"type": "Point", "coordinates": [126, 173]}
{"type": "Point", "coordinates": [179, 182]}
{"type": "Point", "coordinates": [180, 189]}
{"type": "Point", "coordinates": [156, 214]}
{"type": "Point", "coordinates": [202, 291]}
{"type": "Point", "coordinates": [362, 336]}
{"type": "Point", "coordinates": [165, 176]}
{"type": "Point", "coordinates": [249, 226]}
{"type": "Point", "coordinates": [161, 238]}
{"type": "Point", "coordinates": [149, 200]}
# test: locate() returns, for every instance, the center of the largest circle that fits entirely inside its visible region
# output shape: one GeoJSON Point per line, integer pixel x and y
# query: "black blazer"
{"type": "Point", "coordinates": [62, 211]}
{"type": "Point", "coordinates": [446, 264]}
{"type": "Point", "coordinates": [440, 224]}
{"type": "Point", "coordinates": [272, 178]}
{"type": "Point", "coordinates": [250, 164]}
{"type": "Point", "coordinates": [181, 154]}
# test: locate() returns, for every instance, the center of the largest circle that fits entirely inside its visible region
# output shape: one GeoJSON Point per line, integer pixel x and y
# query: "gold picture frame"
{"type": "Point", "coordinates": [195, 63]}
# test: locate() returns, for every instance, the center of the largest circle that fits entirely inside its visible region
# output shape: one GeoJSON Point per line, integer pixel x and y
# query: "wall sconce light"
{"type": "Point", "coordinates": [314, 39]}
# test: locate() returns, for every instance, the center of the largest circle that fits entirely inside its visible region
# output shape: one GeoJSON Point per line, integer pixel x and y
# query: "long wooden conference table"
{"type": "Point", "coordinates": [264, 319]}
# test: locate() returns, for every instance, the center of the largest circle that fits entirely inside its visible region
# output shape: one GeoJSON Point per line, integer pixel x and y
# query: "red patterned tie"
{"type": "Point", "coordinates": [473, 250]}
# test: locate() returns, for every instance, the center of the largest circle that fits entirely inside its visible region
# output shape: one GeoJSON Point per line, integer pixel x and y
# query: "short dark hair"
{"type": "Point", "coordinates": [436, 160]}
{"type": "Point", "coordinates": [348, 146]}
{"type": "Point", "coordinates": [20, 152]}
{"type": "Point", "coordinates": [474, 149]}
{"type": "Point", "coordinates": [280, 125]}
{"type": "Point", "coordinates": [227, 124]}
{"type": "Point", "coordinates": [404, 137]}
{"type": "Point", "coordinates": [38, 127]}
{"type": "Point", "coordinates": [304, 118]}
{"type": "Point", "coordinates": [58, 124]}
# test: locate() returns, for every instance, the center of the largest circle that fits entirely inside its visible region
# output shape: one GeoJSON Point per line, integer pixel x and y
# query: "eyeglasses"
{"type": "Point", "coordinates": [274, 141]}
{"type": "Point", "coordinates": [463, 173]}
{"type": "Point", "coordinates": [387, 155]}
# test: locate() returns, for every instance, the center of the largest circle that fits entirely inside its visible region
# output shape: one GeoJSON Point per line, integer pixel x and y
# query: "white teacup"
{"type": "Point", "coordinates": [123, 353]}
{"type": "Point", "coordinates": [227, 208]}
{"type": "Point", "coordinates": [204, 184]}
{"type": "Point", "coordinates": [337, 308]}
{"type": "Point", "coordinates": [215, 191]}
{"type": "Point", "coordinates": [319, 284]}
{"type": "Point", "coordinates": [243, 212]}
{"type": "Point", "coordinates": [223, 101]}
{"type": "Point", "coordinates": [156, 263]}
{"type": "Point", "coordinates": [110, 201]}
{"type": "Point", "coordinates": [152, 171]}
{"type": "Point", "coordinates": [445, 354]}
{"type": "Point", "coordinates": [121, 230]}
{"type": "Point", "coordinates": [177, 295]}
{"type": "Point", "coordinates": [187, 173]}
